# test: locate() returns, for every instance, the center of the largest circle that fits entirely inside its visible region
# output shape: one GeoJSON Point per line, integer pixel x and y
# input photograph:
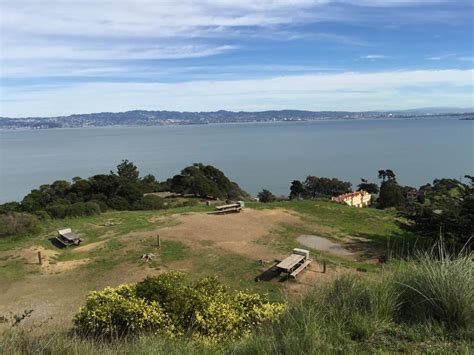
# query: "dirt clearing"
{"type": "Point", "coordinates": [236, 233]}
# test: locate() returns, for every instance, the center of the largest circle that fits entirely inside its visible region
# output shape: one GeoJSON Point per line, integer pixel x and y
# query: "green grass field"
{"type": "Point", "coordinates": [381, 229]}
{"type": "Point", "coordinates": [121, 237]}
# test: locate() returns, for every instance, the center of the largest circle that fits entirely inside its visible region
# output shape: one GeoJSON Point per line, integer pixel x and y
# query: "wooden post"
{"type": "Point", "coordinates": [324, 266]}
{"type": "Point", "coordinates": [158, 241]}
{"type": "Point", "coordinates": [39, 258]}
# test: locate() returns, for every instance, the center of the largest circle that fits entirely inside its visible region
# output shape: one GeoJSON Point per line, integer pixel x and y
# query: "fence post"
{"type": "Point", "coordinates": [158, 241]}
{"type": "Point", "coordinates": [324, 266]}
{"type": "Point", "coordinates": [39, 258]}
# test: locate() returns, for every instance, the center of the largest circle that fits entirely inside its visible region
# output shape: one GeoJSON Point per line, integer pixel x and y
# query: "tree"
{"type": "Point", "coordinates": [318, 187]}
{"type": "Point", "coordinates": [447, 208]}
{"type": "Point", "coordinates": [130, 191]}
{"type": "Point", "coordinates": [205, 181]}
{"type": "Point", "coordinates": [127, 171]}
{"type": "Point", "coordinates": [391, 195]}
{"type": "Point", "coordinates": [297, 190]}
{"type": "Point", "coordinates": [266, 196]}
{"type": "Point", "coordinates": [371, 188]}
{"type": "Point", "coordinates": [388, 175]}
{"type": "Point", "coordinates": [104, 184]}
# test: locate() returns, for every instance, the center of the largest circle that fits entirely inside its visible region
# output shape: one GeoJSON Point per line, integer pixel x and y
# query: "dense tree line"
{"type": "Point", "coordinates": [318, 187]}
{"type": "Point", "coordinates": [122, 189]}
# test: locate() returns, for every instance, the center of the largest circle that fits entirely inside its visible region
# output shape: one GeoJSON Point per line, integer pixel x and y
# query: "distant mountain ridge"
{"type": "Point", "coordinates": [156, 118]}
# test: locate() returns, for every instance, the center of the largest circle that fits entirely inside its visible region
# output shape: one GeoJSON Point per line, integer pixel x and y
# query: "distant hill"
{"type": "Point", "coordinates": [156, 118]}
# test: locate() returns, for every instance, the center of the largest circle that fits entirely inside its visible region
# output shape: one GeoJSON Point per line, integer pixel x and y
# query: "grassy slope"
{"type": "Point", "coordinates": [327, 219]}
{"type": "Point", "coordinates": [319, 217]}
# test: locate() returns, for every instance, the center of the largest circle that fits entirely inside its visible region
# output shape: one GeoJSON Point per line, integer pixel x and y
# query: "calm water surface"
{"type": "Point", "coordinates": [267, 155]}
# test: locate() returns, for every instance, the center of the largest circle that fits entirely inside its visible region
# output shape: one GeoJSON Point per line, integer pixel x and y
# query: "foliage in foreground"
{"type": "Point", "coordinates": [168, 304]}
{"type": "Point", "coordinates": [425, 305]}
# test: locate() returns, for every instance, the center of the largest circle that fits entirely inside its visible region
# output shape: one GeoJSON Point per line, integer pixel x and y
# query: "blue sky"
{"type": "Point", "coordinates": [62, 57]}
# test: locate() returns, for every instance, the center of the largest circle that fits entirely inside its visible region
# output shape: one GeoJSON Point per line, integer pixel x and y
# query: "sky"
{"type": "Point", "coordinates": [60, 57]}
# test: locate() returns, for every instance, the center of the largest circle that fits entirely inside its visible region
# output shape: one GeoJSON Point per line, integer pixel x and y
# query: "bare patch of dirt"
{"type": "Point", "coordinates": [30, 255]}
{"type": "Point", "coordinates": [236, 233]}
{"type": "Point", "coordinates": [91, 246]}
{"type": "Point", "coordinates": [48, 264]}
{"type": "Point", "coordinates": [62, 266]}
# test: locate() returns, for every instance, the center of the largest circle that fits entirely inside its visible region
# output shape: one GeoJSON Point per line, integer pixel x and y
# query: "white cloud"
{"type": "Point", "coordinates": [165, 29]}
{"type": "Point", "coordinates": [343, 91]}
{"type": "Point", "coordinates": [118, 52]}
{"type": "Point", "coordinates": [375, 56]}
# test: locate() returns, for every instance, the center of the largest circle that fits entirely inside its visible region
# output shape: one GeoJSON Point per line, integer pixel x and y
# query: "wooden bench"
{"type": "Point", "coordinates": [300, 268]}
{"type": "Point", "coordinates": [290, 262]}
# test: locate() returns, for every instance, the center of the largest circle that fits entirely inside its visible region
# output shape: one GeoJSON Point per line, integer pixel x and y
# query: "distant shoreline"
{"type": "Point", "coordinates": [233, 122]}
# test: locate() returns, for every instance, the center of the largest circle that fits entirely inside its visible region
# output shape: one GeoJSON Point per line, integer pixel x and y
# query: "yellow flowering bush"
{"type": "Point", "coordinates": [117, 312]}
{"type": "Point", "coordinates": [204, 309]}
{"type": "Point", "coordinates": [256, 309]}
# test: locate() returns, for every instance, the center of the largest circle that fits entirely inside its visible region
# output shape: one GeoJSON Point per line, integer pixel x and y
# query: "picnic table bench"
{"type": "Point", "coordinates": [295, 263]}
{"type": "Point", "coordinates": [290, 262]}
{"type": "Point", "coordinates": [67, 238]}
{"type": "Point", "coordinates": [300, 268]}
{"type": "Point", "coordinates": [229, 208]}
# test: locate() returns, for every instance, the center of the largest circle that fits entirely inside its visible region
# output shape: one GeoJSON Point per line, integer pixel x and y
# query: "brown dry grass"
{"type": "Point", "coordinates": [235, 233]}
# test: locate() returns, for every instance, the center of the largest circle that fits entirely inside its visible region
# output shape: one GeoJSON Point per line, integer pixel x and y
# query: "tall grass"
{"type": "Point", "coordinates": [424, 305]}
{"type": "Point", "coordinates": [438, 287]}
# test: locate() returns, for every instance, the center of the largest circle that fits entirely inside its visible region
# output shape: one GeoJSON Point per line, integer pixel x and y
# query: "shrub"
{"type": "Point", "coordinates": [42, 215]}
{"type": "Point", "coordinates": [205, 309]}
{"type": "Point", "coordinates": [75, 210]}
{"type": "Point", "coordinates": [17, 223]}
{"type": "Point", "coordinates": [82, 209]}
{"type": "Point", "coordinates": [102, 205]}
{"type": "Point", "coordinates": [266, 196]}
{"type": "Point", "coordinates": [118, 312]}
{"type": "Point", "coordinates": [57, 210]}
{"type": "Point", "coordinates": [190, 203]}
{"type": "Point", "coordinates": [118, 203]}
{"type": "Point", "coordinates": [170, 291]}
{"type": "Point", "coordinates": [10, 207]}
{"type": "Point", "coordinates": [149, 202]}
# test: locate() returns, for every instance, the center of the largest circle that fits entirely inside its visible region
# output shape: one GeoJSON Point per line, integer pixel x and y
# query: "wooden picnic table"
{"type": "Point", "coordinates": [290, 262]}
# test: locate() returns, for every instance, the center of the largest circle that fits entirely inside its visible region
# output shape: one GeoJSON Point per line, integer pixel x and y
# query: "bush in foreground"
{"type": "Point", "coordinates": [353, 314]}
{"type": "Point", "coordinates": [118, 312]}
{"type": "Point", "coordinates": [205, 310]}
